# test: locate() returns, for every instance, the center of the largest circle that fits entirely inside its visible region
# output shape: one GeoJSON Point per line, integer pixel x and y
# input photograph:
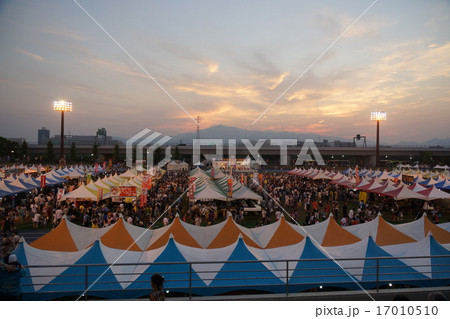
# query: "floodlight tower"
{"type": "Point", "coordinates": [62, 106]}
{"type": "Point", "coordinates": [378, 116]}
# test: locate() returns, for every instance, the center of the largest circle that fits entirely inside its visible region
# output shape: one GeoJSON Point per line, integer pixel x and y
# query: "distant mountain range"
{"type": "Point", "coordinates": [433, 142]}
{"type": "Point", "coordinates": [229, 132]}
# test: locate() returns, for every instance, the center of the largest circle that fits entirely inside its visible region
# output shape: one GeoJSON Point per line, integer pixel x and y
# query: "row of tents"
{"type": "Point", "coordinates": [384, 184]}
{"type": "Point", "coordinates": [210, 185]}
{"type": "Point", "coordinates": [120, 260]}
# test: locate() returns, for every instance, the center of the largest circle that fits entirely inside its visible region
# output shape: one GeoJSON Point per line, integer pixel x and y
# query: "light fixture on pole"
{"type": "Point", "coordinates": [378, 116]}
{"type": "Point", "coordinates": [62, 106]}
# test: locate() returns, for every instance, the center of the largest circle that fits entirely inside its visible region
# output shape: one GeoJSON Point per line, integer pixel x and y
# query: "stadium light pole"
{"type": "Point", "coordinates": [378, 116]}
{"type": "Point", "coordinates": [62, 106]}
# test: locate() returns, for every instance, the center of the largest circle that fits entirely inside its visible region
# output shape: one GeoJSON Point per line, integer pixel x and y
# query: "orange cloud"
{"type": "Point", "coordinates": [32, 55]}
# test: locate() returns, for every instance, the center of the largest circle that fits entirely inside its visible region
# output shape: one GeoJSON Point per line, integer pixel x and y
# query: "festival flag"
{"type": "Point", "coordinates": [192, 180]}
{"type": "Point", "coordinates": [96, 168]}
{"type": "Point", "coordinates": [143, 199]}
{"type": "Point", "coordinates": [43, 181]}
{"type": "Point", "coordinates": [104, 165]}
{"type": "Point", "coordinates": [230, 187]}
{"type": "Point", "coordinates": [242, 178]}
{"type": "Point", "coordinates": [60, 194]}
{"type": "Point", "coordinates": [88, 178]}
{"type": "Point", "coordinates": [212, 172]}
{"type": "Point", "coordinates": [260, 176]}
{"type": "Point", "coordinates": [99, 194]}
{"type": "Point", "coordinates": [110, 162]}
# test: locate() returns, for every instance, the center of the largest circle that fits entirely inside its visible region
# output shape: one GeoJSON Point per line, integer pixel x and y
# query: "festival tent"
{"type": "Point", "coordinates": [321, 176]}
{"type": "Point", "coordinates": [420, 228]}
{"type": "Point", "coordinates": [443, 185]}
{"type": "Point", "coordinates": [329, 233]}
{"type": "Point", "coordinates": [382, 232]}
{"type": "Point", "coordinates": [206, 189]}
{"type": "Point", "coordinates": [434, 267]}
{"type": "Point", "coordinates": [129, 173]}
{"type": "Point", "coordinates": [176, 229]}
{"type": "Point", "coordinates": [315, 268]}
{"type": "Point", "coordinates": [230, 232]}
{"type": "Point", "coordinates": [416, 187]}
{"type": "Point", "coordinates": [445, 226]}
{"type": "Point", "coordinates": [390, 270]}
{"type": "Point", "coordinates": [403, 192]}
{"type": "Point", "coordinates": [4, 189]}
{"type": "Point", "coordinates": [176, 276]}
{"type": "Point", "coordinates": [14, 188]}
{"type": "Point", "coordinates": [68, 237]}
{"type": "Point", "coordinates": [433, 193]}
{"type": "Point", "coordinates": [81, 193]}
{"type": "Point", "coordinates": [100, 280]}
{"type": "Point", "coordinates": [38, 277]}
{"type": "Point", "coordinates": [278, 234]}
{"type": "Point", "coordinates": [118, 236]}
{"type": "Point", "coordinates": [245, 271]}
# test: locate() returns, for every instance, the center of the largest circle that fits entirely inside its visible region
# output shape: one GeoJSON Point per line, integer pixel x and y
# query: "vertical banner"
{"type": "Point", "coordinates": [60, 194]}
{"type": "Point", "coordinates": [192, 187]}
{"type": "Point", "coordinates": [242, 178]}
{"type": "Point", "coordinates": [43, 181]}
{"type": "Point", "coordinates": [104, 166]}
{"type": "Point", "coordinates": [143, 199]}
{"type": "Point", "coordinates": [260, 176]}
{"type": "Point", "coordinates": [145, 180]}
{"type": "Point", "coordinates": [212, 172]}
{"type": "Point", "coordinates": [88, 178]}
{"type": "Point", "coordinates": [96, 168]}
{"type": "Point", "coordinates": [230, 187]}
{"type": "Point", "coordinates": [357, 174]}
{"type": "Point", "coordinates": [99, 194]}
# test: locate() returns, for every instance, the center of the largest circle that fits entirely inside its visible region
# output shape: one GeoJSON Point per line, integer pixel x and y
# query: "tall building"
{"type": "Point", "coordinates": [43, 136]}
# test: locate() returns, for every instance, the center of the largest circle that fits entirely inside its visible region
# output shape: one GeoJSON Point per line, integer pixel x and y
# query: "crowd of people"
{"type": "Point", "coordinates": [305, 201]}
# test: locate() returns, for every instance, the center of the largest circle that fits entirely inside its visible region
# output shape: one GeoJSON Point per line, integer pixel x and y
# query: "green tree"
{"type": "Point", "coordinates": [116, 154]}
{"type": "Point", "coordinates": [24, 150]}
{"type": "Point", "coordinates": [427, 158]}
{"type": "Point", "coordinates": [50, 154]}
{"type": "Point", "coordinates": [73, 152]}
{"type": "Point", "coordinates": [94, 152]}
{"type": "Point", "coordinates": [8, 148]}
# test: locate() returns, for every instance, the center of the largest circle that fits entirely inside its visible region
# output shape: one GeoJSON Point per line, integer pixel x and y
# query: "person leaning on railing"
{"type": "Point", "coordinates": [11, 272]}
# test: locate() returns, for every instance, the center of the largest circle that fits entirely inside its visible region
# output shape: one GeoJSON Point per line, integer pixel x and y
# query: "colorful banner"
{"type": "Point", "coordinates": [124, 191]}
{"type": "Point", "coordinates": [88, 178]}
{"type": "Point", "coordinates": [260, 176]}
{"type": "Point", "coordinates": [96, 168]}
{"type": "Point", "coordinates": [230, 187]}
{"type": "Point", "coordinates": [212, 172]}
{"type": "Point", "coordinates": [192, 187]}
{"type": "Point", "coordinates": [99, 194]}
{"type": "Point", "coordinates": [362, 196]}
{"type": "Point", "coordinates": [43, 180]}
{"type": "Point", "coordinates": [143, 199]}
{"type": "Point", "coordinates": [104, 165]}
{"type": "Point", "coordinates": [60, 194]}
{"type": "Point", "coordinates": [110, 163]}
{"type": "Point", "coordinates": [242, 178]}
{"type": "Point", "coordinates": [357, 178]}
{"type": "Point", "coordinates": [146, 182]}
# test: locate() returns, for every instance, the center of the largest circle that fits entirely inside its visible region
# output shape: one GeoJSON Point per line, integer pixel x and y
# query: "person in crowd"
{"type": "Point", "coordinates": [11, 272]}
{"type": "Point", "coordinates": [157, 283]}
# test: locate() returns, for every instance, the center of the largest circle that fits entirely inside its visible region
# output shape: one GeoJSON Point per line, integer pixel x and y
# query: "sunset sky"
{"type": "Point", "coordinates": [226, 61]}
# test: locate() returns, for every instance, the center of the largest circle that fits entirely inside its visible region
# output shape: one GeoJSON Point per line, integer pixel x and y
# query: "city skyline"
{"type": "Point", "coordinates": [227, 62]}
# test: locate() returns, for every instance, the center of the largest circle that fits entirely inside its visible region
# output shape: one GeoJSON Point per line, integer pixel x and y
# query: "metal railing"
{"type": "Point", "coordinates": [199, 278]}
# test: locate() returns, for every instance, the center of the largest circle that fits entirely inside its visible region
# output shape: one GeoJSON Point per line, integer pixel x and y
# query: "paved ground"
{"type": "Point", "coordinates": [32, 235]}
{"type": "Point", "coordinates": [414, 294]}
